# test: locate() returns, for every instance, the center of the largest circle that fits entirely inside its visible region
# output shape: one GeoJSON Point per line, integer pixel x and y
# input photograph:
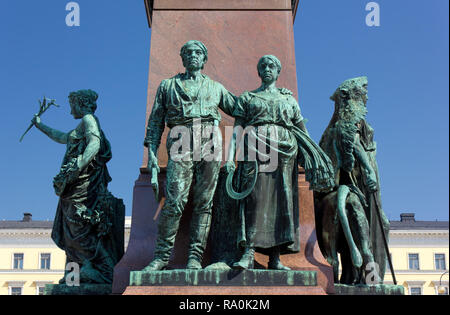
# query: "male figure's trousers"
{"type": "Point", "coordinates": [202, 175]}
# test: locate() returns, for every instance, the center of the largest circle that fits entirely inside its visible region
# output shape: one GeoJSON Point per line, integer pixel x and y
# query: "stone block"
{"type": "Point", "coordinates": [378, 289]}
{"type": "Point", "coordinates": [82, 289]}
{"type": "Point", "coordinates": [205, 277]}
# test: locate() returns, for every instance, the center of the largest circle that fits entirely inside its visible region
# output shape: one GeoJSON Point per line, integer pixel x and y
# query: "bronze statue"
{"type": "Point", "coordinates": [89, 221]}
{"type": "Point", "coordinates": [350, 220]}
{"type": "Point", "coordinates": [181, 102]}
{"type": "Point", "coordinates": [274, 133]}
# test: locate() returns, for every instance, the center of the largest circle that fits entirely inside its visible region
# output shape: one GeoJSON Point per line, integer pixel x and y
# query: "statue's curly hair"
{"type": "Point", "coordinates": [87, 99]}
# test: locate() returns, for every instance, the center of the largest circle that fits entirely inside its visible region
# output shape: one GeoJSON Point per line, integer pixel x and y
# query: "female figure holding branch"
{"type": "Point", "coordinates": [89, 219]}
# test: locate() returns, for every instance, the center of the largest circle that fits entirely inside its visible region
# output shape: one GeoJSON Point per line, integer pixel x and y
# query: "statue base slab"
{"type": "Point", "coordinates": [377, 289]}
{"type": "Point", "coordinates": [217, 290]}
{"type": "Point", "coordinates": [224, 282]}
{"type": "Point", "coordinates": [82, 289]}
{"type": "Point", "coordinates": [202, 277]}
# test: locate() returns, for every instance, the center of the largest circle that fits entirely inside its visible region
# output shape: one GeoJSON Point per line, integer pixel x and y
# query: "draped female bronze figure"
{"type": "Point", "coordinates": [275, 142]}
{"type": "Point", "coordinates": [89, 220]}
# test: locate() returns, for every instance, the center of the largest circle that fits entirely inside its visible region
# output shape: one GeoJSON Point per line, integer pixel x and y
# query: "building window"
{"type": "Point", "coordinates": [45, 261]}
{"type": "Point", "coordinates": [439, 261]}
{"type": "Point", "coordinates": [413, 261]}
{"type": "Point", "coordinates": [16, 291]}
{"type": "Point", "coordinates": [18, 261]}
{"type": "Point", "coordinates": [40, 287]}
{"type": "Point", "coordinates": [41, 290]}
{"type": "Point", "coordinates": [415, 291]}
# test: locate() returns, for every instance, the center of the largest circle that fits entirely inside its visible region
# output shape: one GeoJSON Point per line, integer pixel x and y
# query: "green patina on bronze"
{"type": "Point", "coordinates": [379, 289]}
{"type": "Point", "coordinates": [350, 220]}
{"type": "Point", "coordinates": [179, 102]}
{"type": "Point", "coordinates": [205, 277]}
{"type": "Point", "coordinates": [43, 106]}
{"type": "Point", "coordinates": [267, 219]}
{"type": "Point", "coordinates": [82, 289]}
{"type": "Point", "coordinates": [89, 221]}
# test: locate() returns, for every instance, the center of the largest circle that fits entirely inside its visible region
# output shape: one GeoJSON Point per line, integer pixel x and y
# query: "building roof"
{"type": "Point", "coordinates": [26, 223]}
{"type": "Point", "coordinates": [408, 222]}
{"type": "Point", "coordinates": [150, 3]}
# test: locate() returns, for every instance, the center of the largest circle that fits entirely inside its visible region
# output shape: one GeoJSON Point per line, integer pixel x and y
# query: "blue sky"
{"type": "Point", "coordinates": [406, 61]}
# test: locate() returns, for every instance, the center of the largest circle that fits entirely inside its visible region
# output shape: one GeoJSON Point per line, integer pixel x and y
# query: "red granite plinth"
{"type": "Point", "coordinates": [222, 5]}
{"type": "Point", "coordinates": [235, 41]}
{"type": "Point", "coordinates": [214, 290]}
{"type": "Point", "coordinates": [237, 34]}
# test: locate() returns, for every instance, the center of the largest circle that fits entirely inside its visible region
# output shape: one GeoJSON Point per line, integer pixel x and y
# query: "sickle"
{"type": "Point", "coordinates": [240, 195]}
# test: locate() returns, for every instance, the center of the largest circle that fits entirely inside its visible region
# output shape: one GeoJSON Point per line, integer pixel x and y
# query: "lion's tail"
{"type": "Point", "coordinates": [343, 192]}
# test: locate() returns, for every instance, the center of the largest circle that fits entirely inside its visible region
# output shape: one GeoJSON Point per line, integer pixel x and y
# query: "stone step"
{"type": "Point", "coordinates": [378, 289]}
{"type": "Point", "coordinates": [82, 289]}
{"type": "Point", "coordinates": [204, 277]}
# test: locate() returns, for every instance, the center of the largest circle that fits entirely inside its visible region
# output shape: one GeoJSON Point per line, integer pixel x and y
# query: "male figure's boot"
{"type": "Point", "coordinates": [247, 259]}
{"type": "Point", "coordinates": [167, 231]}
{"type": "Point", "coordinates": [274, 261]}
{"type": "Point", "coordinates": [200, 225]}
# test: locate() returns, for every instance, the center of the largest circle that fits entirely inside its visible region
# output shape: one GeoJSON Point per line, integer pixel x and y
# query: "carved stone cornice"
{"type": "Point", "coordinates": [151, 5]}
{"type": "Point", "coordinates": [424, 233]}
{"type": "Point", "coordinates": [27, 232]}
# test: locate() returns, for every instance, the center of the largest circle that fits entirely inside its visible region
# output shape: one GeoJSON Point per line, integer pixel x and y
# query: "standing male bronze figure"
{"type": "Point", "coordinates": [181, 102]}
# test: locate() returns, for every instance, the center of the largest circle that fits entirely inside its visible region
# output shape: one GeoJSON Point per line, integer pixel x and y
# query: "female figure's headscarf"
{"type": "Point", "coordinates": [272, 58]}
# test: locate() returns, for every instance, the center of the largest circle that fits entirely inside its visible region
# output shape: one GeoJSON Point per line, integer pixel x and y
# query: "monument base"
{"type": "Point", "coordinates": [224, 282]}
{"type": "Point", "coordinates": [82, 289]}
{"type": "Point", "coordinates": [377, 289]}
{"type": "Point", "coordinates": [216, 290]}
